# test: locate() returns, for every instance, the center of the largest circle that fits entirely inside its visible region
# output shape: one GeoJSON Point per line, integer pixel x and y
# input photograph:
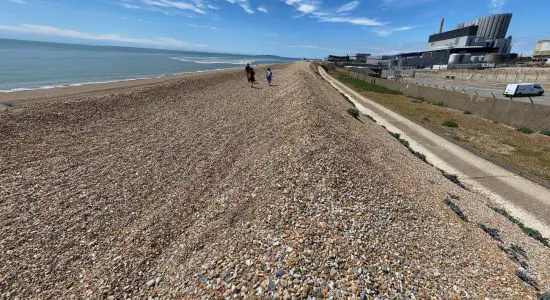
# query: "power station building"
{"type": "Point", "coordinates": [471, 44]}
{"type": "Point", "coordinates": [542, 49]}
{"type": "Point", "coordinates": [488, 32]}
{"type": "Point", "coordinates": [481, 42]}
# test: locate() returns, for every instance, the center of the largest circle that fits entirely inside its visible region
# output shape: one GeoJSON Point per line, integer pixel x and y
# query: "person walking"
{"type": "Point", "coordinates": [247, 70]}
{"type": "Point", "coordinates": [251, 78]}
{"type": "Point", "coordinates": [269, 76]}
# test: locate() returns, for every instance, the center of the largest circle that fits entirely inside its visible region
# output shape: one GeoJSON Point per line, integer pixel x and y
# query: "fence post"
{"type": "Point", "coordinates": [453, 89]}
{"type": "Point", "coordinates": [478, 94]}
{"type": "Point", "coordinates": [464, 91]}
{"type": "Point", "coordinates": [531, 100]}
{"type": "Point", "coordinates": [436, 86]}
{"type": "Point", "coordinates": [493, 95]}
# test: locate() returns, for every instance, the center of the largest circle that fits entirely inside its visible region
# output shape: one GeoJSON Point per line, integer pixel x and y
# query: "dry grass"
{"type": "Point", "coordinates": [527, 153]}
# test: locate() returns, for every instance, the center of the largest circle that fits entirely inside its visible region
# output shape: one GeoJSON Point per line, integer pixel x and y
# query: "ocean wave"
{"type": "Point", "coordinates": [214, 60]}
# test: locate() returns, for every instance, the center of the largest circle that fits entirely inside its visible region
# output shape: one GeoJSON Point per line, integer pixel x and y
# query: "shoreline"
{"type": "Point", "coordinates": [105, 87]}
{"type": "Point", "coordinates": [67, 85]}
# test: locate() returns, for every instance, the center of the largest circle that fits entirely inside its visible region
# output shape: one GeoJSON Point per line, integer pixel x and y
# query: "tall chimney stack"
{"type": "Point", "coordinates": [441, 26]}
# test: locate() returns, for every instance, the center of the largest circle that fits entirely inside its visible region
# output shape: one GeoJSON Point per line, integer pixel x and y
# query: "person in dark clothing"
{"type": "Point", "coordinates": [247, 70]}
{"type": "Point", "coordinates": [251, 78]}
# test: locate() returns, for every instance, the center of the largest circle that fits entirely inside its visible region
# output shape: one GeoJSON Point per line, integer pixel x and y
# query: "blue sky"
{"type": "Point", "coordinates": [296, 28]}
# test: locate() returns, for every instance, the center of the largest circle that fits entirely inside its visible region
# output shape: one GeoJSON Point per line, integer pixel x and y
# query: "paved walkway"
{"type": "Point", "coordinates": [522, 197]}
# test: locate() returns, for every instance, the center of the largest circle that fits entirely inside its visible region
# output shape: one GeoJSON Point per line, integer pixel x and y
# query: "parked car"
{"type": "Point", "coordinates": [523, 89]}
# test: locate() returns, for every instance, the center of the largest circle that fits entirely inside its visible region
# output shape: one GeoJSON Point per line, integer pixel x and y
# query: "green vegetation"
{"type": "Point", "coordinates": [456, 209]}
{"type": "Point", "coordinates": [354, 112]}
{"type": "Point", "coordinates": [6, 106]}
{"type": "Point", "coordinates": [450, 123]}
{"type": "Point", "coordinates": [417, 101]}
{"type": "Point", "coordinates": [467, 112]}
{"type": "Point", "coordinates": [527, 230]}
{"type": "Point", "coordinates": [440, 104]}
{"type": "Point", "coordinates": [545, 132]}
{"type": "Point", "coordinates": [525, 130]}
{"type": "Point", "coordinates": [366, 86]}
{"type": "Point", "coordinates": [494, 233]}
{"type": "Point", "coordinates": [454, 179]}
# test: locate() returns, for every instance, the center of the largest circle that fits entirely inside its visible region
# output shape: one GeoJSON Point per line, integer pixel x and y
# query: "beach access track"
{"type": "Point", "coordinates": [522, 197]}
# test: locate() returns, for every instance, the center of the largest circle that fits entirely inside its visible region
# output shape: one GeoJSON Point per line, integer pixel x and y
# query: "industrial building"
{"type": "Point", "coordinates": [542, 50]}
{"type": "Point", "coordinates": [477, 43]}
{"type": "Point", "coordinates": [488, 32]}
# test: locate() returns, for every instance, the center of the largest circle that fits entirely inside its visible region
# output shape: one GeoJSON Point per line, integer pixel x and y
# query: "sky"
{"type": "Point", "coordinates": [291, 28]}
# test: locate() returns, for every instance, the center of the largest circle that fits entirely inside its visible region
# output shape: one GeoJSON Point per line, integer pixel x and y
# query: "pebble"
{"type": "Point", "coordinates": [151, 282]}
{"type": "Point", "coordinates": [279, 273]}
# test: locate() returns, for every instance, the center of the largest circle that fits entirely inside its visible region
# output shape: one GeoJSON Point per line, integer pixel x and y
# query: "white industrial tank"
{"type": "Point", "coordinates": [454, 59]}
{"type": "Point", "coordinates": [466, 58]}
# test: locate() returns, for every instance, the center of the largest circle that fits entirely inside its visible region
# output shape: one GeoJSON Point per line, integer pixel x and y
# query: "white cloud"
{"type": "Point", "coordinates": [304, 6]}
{"type": "Point", "coordinates": [203, 27]}
{"type": "Point", "coordinates": [69, 33]}
{"type": "Point", "coordinates": [308, 7]}
{"type": "Point", "coordinates": [129, 5]}
{"type": "Point", "coordinates": [18, 1]}
{"type": "Point", "coordinates": [354, 21]}
{"type": "Point", "coordinates": [212, 7]}
{"type": "Point", "coordinates": [402, 3]}
{"type": "Point", "coordinates": [384, 32]}
{"type": "Point", "coordinates": [262, 9]}
{"type": "Point", "coordinates": [348, 7]}
{"type": "Point", "coordinates": [496, 6]}
{"type": "Point", "coordinates": [176, 4]}
{"type": "Point", "coordinates": [243, 4]}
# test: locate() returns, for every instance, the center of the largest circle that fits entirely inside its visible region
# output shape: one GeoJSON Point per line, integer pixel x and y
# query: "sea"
{"type": "Point", "coordinates": [29, 65]}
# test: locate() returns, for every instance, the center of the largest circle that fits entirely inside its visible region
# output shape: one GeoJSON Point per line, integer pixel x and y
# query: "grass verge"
{"type": "Point", "coordinates": [365, 86]}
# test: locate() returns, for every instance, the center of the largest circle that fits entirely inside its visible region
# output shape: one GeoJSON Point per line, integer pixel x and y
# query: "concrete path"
{"type": "Point", "coordinates": [523, 198]}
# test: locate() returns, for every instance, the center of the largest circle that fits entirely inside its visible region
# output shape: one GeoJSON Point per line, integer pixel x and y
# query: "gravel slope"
{"type": "Point", "coordinates": [205, 187]}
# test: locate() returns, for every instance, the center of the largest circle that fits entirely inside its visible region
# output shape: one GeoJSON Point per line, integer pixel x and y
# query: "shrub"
{"type": "Point", "coordinates": [454, 179]}
{"type": "Point", "coordinates": [493, 232]}
{"type": "Point", "coordinates": [525, 130]}
{"type": "Point", "coordinates": [427, 119]}
{"type": "Point", "coordinates": [417, 101]}
{"type": "Point", "coordinates": [527, 230]}
{"type": "Point", "coordinates": [354, 112]}
{"type": "Point", "coordinates": [450, 123]}
{"type": "Point", "coordinates": [545, 132]}
{"type": "Point", "coordinates": [467, 112]}
{"type": "Point", "coordinates": [456, 209]}
{"type": "Point", "coordinates": [440, 104]}
{"type": "Point", "coordinates": [6, 105]}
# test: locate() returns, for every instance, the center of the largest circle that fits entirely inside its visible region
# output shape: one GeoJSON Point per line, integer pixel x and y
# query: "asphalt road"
{"type": "Point", "coordinates": [487, 90]}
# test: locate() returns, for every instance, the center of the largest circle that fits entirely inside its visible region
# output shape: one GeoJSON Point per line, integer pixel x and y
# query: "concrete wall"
{"type": "Point", "coordinates": [513, 113]}
{"type": "Point", "coordinates": [495, 76]}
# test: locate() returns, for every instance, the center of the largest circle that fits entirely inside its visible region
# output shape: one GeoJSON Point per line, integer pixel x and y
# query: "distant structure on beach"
{"type": "Point", "coordinates": [542, 50]}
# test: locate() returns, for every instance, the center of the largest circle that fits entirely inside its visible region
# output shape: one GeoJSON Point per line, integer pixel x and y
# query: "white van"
{"type": "Point", "coordinates": [523, 89]}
